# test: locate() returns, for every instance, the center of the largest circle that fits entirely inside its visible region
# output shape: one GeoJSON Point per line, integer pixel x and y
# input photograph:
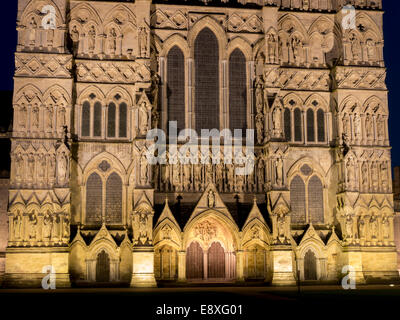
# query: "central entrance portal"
{"type": "Point", "coordinates": [211, 265]}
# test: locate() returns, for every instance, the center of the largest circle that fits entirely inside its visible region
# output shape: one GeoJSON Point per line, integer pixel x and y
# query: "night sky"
{"type": "Point", "coordinates": [392, 58]}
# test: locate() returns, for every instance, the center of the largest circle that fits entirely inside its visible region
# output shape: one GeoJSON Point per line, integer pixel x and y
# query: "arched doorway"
{"type": "Point", "coordinates": [310, 266]}
{"type": "Point", "coordinates": [194, 261]}
{"type": "Point", "coordinates": [103, 267]}
{"type": "Point", "coordinates": [216, 261]}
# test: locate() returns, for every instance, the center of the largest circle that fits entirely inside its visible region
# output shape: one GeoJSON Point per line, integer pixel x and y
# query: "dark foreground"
{"type": "Point", "coordinates": [204, 303]}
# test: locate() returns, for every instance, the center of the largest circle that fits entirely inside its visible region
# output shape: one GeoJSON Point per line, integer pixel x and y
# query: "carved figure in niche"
{"type": "Point", "coordinates": [386, 228]}
{"type": "Point", "coordinates": [176, 177]}
{"type": "Point", "coordinates": [361, 228]}
{"type": "Point", "coordinates": [371, 50]}
{"type": "Point", "coordinates": [156, 175]}
{"type": "Point", "coordinates": [205, 231]}
{"type": "Point", "coordinates": [260, 128]}
{"type": "Point", "coordinates": [369, 126]}
{"type": "Point", "coordinates": [381, 127]}
{"type": "Point", "coordinates": [355, 47]}
{"type": "Point", "coordinates": [31, 166]}
{"type": "Point", "coordinates": [281, 224]}
{"type": "Point", "coordinates": [384, 175]}
{"type": "Point", "coordinates": [143, 170]}
{"type": "Point", "coordinates": [92, 39]}
{"type": "Point", "coordinates": [42, 167]}
{"type": "Point", "coordinates": [143, 227]}
{"type": "Point", "coordinates": [62, 168]}
{"type": "Point", "coordinates": [364, 170]}
{"type": "Point", "coordinates": [32, 226]}
{"type": "Point", "coordinates": [19, 166]}
{"type": "Point", "coordinates": [231, 177]}
{"type": "Point", "coordinates": [74, 34]}
{"type": "Point", "coordinates": [49, 118]}
{"type": "Point", "coordinates": [374, 227]}
{"type": "Point", "coordinates": [143, 118]}
{"type": "Point", "coordinates": [155, 118]}
{"type": "Point", "coordinates": [52, 167]}
{"type": "Point", "coordinates": [259, 95]}
{"type": "Point", "coordinates": [61, 117]}
{"type": "Point", "coordinates": [112, 41]}
{"type": "Point", "coordinates": [211, 199]}
{"type": "Point", "coordinates": [374, 175]}
{"type": "Point", "coordinates": [260, 174]}
{"type": "Point", "coordinates": [166, 232]}
{"type": "Point", "coordinates": [165, 175]}
{"type": "Point", "coordinates": [357, 126]}
{"type": "Point", "coordinates": [22, 117]}
{"type": "Point", "coordinates": [346, 125]}
{"type": "Point", "coordinates": [47, 226]}
{"type": "Point", "coordinates": [349, 227]}
{"type": "Point", "coordinates": [351, 174]}
{"type": "Point", "coordinates": [209, 173]}
{"type": "Point", "coordinates": [187, 175]}
{"type": "Point", "coordinates": [272, 41]}
{"type": "Point", "coordinates": [295, 46]}
{"type": "Point", "coordinates": [219, 175]}
{"type": "Point", "coordinates": [279, 171]}
{"type": "Point", "coordinates": [197, 174]}
{"type": "Point", "coordinates": [239, 182]}
{"type": "Point", "coordinates": [35, 117]}
{"type": "Point", "coordinates": [143, 39]}
{"type": "Point", "coordinates": [54, 231]}
{"type": "Point", "coordinates": [17, 225]}
{"type": "Point", "coordinates": [66, 229]}
{"type": "Point", "coordinates": [276, 120]}
{"type": "Point", "coordinates": [32, 32]}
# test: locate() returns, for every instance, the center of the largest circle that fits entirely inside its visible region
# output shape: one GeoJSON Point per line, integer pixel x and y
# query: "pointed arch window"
{"type": "Point", "coordinates": [237, 91]}
{"type": "Point", "coordinates": [97, 116]}
{"type": "Point", "coordinates": [206, 56]}
{"type": "Point", "coordinates": [307, 198]}
{"type": "Point", "coordinates": [288, 124]}
{"type": "Point", "coordinates": [117, 118]}
{"type": "Point", "coordinates": [321, 125]}
{"type": "Point", "coordinates": [176, 86]}
{"type": "Point", "coordinates": [85, 130]}
{"type": "Point", "coordinates": [310, 126]}
{"type": "Point", "coordinates": [298, 125]}
{"type": "Point", "coordinates": [114, 199]}
{"type": "Point", "coordinates": [111, 120]}
{"type": "Point", "coordinates": [94, 199]}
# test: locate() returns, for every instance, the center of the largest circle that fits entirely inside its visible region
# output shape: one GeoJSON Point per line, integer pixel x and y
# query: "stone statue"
{"type": "Point", "coordinates": [364, 170]}
{"type": "Point", "coordinates": [219, 175]}
{"type": "Point", "coordinates": [49, 119]}
{"type": "Point", "coordinates": [279, 171]}
{"type": "Point", "coordinates": [32, 32]}
{"type": "Point", "coordinates": [74, 34]}
{"type": "Point", "coordinates": [19, 166]}
{"type": "Point", "coordinates": [211, 199]}
{"type": "Point", "coordinates": [54, 231]}
{"type": "Point", "coordinates": [112, 41]}
{"type": "Point", "coordinates": [272, 48]}
{"type": "Point", "coordinates": [281, 223]}
{"type": "Point", "coordinates": [374, 175]}
{"type": "Point", "coordinates": [346, 125]}
{"type": "Point", "coordinates": [165, 175]}
{"type": "Point", "coordinates": [357, 126]}
{"type": "Point", "coordinates": [374, 227]}
{"type": "Point", "coordinates": [386, 228]}
{"type": "Point", "coordinates": [355, 48]}
{"type": "Point", "coordinates": [22, 117]}
{"type": "Point", "coordinates": [260, 174]}
{"type": "Point", "coordinates": [66, 229]}
{"type": "Point", "coordinates": [143, 170]}
{"type": "Point", "coordinates": [371, 50]}
{"type": "Point", "coordinates": [32, 226]}
{"type": "Point", "coordinates": [260, 128]}
{"type": "Point", "coordinates": [62, 168]}
{"type": "Point", "coordinates": [197, 175]}
{"type": "Point", "coordinates": [351, 174]}
{"type": "Point", "coordinates": [369, 126]}
{"type": "Point", "coordinates": [143, 232]}
{"type": "Point", "coordinates": [361, 228]}
{"type": "Point", "coordinates": [92, 39]}
{"type": "Point", "coordinates": [349, 227]}
{"type": "Point", "coordinates": [47, 226]}
{"type": "Point", "coordinates": [276, 120]}
{"type": "Point", "coordinates": [259, 95]}
{"type": "Point", "coordinates": [381, 127]}
{"type": "Point", "coordinates": [31, 166]}
{"type": "Point", "coordinates": [143, 39]}
{"type": "Point", "coordinates": [295, 46]}
{"type": "Point", "coordinates": [187, 175]}
{"type": "Point", "coordinates": [18, 225]}
{"type": "Point", "coordinates": [35, 117]}
{"type": "Point", "coordinates": [143, 119]}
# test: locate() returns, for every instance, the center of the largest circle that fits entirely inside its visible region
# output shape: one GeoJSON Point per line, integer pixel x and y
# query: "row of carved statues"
{"type": "Point", "coordinates": [367, 176]}
{"type": "Point", "coordinates": [33, 228]}
{"type": "Point", "coordinates": [369, 229]}
{"type": "Point", "coordinates": [40, 169]}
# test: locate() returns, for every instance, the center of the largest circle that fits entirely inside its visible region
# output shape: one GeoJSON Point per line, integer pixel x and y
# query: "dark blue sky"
{"type": "Point", "coordinates": [392, 59]}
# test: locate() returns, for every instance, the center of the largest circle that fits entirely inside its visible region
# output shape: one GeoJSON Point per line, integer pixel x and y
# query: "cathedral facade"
{"type": "Point", "coordinates": [94, 78]}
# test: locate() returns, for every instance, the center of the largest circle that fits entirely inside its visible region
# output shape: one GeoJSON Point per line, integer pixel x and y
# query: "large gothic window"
{"type": "Point", "coordinates": [298, 200]}
{"type": "Point", "coordinates": [315, 200]}
{"type": "Point", "coordinates": [176, 87]}
{"type": "Point", "coordinates": [288, 124]}
{"type": "Point", "coordinates": [114, 199]}
{"type": "Point", "coordinates": [237, 91]}
{"type": "Point", "coordinates": [206, 55]}
{"type": "Point", "coordinates": [310, 126]}
{"type": "Point", "coordinates": [94, 199]}
{"type": "Point", "coordinates": [298, 127]}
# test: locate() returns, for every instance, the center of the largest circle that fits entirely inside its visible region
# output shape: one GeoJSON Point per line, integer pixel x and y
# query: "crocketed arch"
{"type": "Point", "coordinates": [207, 80]}
{"type": "Point", "coordinates": [31, 8]}
{"type": "Point", "coordinates": [176, 86]}
{"type": "Point", "coordinates": [85, 12]}
{"type": "Point", "coordinates": [237, 91]}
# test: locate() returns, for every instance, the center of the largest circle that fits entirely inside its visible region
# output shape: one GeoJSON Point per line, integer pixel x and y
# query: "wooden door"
{"type": "Point", "coordinates": [194, 261]}
{"type": "Point", "coordinates": [103, 267]}
{"type": "Point", "coordinates": [310, 266]}
{"type": "Point", "coordinates": [216, 261]}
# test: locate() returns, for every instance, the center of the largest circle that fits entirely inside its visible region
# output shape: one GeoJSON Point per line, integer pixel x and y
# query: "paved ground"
{"type": "Point", "coordinates": [255, 302]}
